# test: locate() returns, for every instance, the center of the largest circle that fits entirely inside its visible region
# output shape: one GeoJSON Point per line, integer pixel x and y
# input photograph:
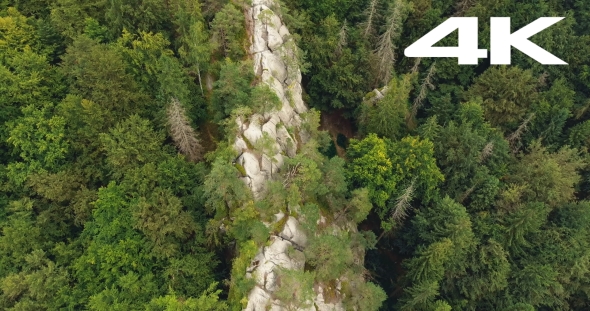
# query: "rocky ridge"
{"type": "Point", "coordinates": [273, 52]}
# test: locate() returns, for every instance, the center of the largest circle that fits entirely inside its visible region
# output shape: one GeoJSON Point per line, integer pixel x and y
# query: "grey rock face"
{"type": "Point", "coordinates": [273, 53]}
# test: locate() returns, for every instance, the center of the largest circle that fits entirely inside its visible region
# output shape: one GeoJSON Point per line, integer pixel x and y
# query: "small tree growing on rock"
{"type": "Point", "coordinates": [295, 289]}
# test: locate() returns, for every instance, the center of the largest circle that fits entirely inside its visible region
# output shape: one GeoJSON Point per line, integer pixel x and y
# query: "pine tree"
{"type": "Point", "coordinates": [228, 31]}
{"type": "Point", "coordinates": [402, 204]}
{"type": "Point", "coordinates": [386, 46]}
{"type": "Point", "coordinates": [426, 84]}
{"type": "Point", "coordinates": [371, 13]}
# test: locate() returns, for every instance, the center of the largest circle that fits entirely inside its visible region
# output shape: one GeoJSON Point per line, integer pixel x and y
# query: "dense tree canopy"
{"type": "Point", "coordinates": [428, 186]}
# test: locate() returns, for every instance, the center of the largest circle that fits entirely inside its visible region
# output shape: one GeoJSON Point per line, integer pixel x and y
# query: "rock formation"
{"type": "Point", "coordinates": [273, 52]}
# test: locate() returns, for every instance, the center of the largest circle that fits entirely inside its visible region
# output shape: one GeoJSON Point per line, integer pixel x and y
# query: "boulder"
{"type": "Point", "coordinates": [287, 143]}
{"type": "Point", "coordinates": [294, 90]}
{"type": "Point", "coordinates": [274, 65]}
{"type": "Point", "coordinates": [254, 131]}
{"type": "Point", "coordinates": [292, 232]}
{"type": "Point", "coordinates": [240, 145]}
{"type": "Point", "coordinates": [267, 165]}
{"type": "Point", "coordinates": [277, 162]}
{"type": "Point", "coordinates": [257, 184]}
{"type": "Point", "coordinates": [258, 298]}
{"type": "Point", "coordinates": [272, 52]}
{"type": "Point", "coordinates": [274, 39]}
{"type": "Point", "coordinates": [259, 43]}
{"type": "Point", "coordinates": [286, 114]}
{"type": "Point", "coordinates": [274, 84]}
{"type": "Point", "coordinates": [284, 32]}
{"type": "Point", "coordinates": [270, 127]}
{"type": "Point", "coordinates": [250, 164]}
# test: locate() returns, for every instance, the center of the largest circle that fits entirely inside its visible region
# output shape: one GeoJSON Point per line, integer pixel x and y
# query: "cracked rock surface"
{"type": "Point", "coordinates": [273, 52]}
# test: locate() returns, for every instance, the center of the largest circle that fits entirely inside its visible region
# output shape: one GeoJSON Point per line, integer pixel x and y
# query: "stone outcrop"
{"type": "Point", "coordinates": [273, 54]}
{"type": "Point", "coordinates": [280, 132]}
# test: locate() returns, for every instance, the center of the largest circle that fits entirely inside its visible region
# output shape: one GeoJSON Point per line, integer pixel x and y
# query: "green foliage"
{"type": "Point", "coordinates": [195, 49]}
{"type": "Point", "coordinates": [548, 177]}
{"type": "Point", "coordinates": [507, 93]}
{"type": "Point", "coordinates": [329, 255]}
{"type": "Point", "coordinates": [537, 284]}
{"type": "Point", "coordinates": [429, 263]}
{"type": "Point", "coordinates": [337, 7]}
{"type": "Point", "coordinates": [94, 30]}
{"type": "Point", "coordinates": [208, 301]}
{"type": "Point", "coordinates": [366, 296]}
{"type": "Point", "coordinates": [26, 77]}
{"type": "Point", "coordinates": [16, 32]}
{"type": "Point", "coordinates": [475, 188]}
{"type": "Point", "coordinates": [470, 153]}
{"type": "Point", "coordinates": [38, 138]}
{"type": "Point", "coordinates": [223, 191]}
{"type": "Point", "coordinates": [337, 67]}
{"type": "Point", "coordinates": [232, 90]}
{"type": "Point", "coordinates": [115, 263]}
{"type": "Point", "coordinates": [385, 168]}
{"type": "Point", "coordinates": [36, 285]}
{"type": "Point", "coordinates": [487, 271]}
{"type": "Point", "coordinates": [240, 285]}
{"type": "Point", "coordinates": [228, 33]}
{"type": "Point", "coordinates": [145, 53]}
{"type": "Point", "coordinates": [522, 222]}
{"type": "Point", "coordinates": [551, 113]}
{"type": "Point", "coordinates": [420, 296]}
{"type": "Point", "coordinates": [69, 16]}
{"type": "Point", "coordinates": [295, 289]}
{"type": "Point", "coordinates": [146, 15]}
{"type": "Point", "coordinates": [162, 219]}
{"type": "Point", "coordinates": [447, 219]}
{"type": "Point", "coordinates": [580, 135]}
{"type": "Point", "coordinates": [361, 203]}
{"type": "Point", "coordinates": [387, 116]}
{"type": "Point", "coordinates": [132, 142]}
{"type": "Point", "coordinates": [414, 158]}
{"type": "Point", "coordinates": [371, 167]}
{"type": "Point", "coordinates": [87, 62]}
{"type": "Point", "coordinates": [264, 99]}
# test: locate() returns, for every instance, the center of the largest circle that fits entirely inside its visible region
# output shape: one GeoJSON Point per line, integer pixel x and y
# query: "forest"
{"type": "Point", "coordinates": [154, 156]}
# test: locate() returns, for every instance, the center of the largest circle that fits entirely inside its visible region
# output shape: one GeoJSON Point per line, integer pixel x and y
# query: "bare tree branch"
{"type": "Point", "coordinates": [342, 37]}
{"type": "Point", "coordinates": [184, 136]}
{"type": "Point", "coordinates": [402, 205]}
{"type": "Point", "coordinates": [463, 6]}
{"type": "Point", "coordinates": [466, 193]}
{"type": "Point", "coordinates": [543, 78]}
{"type": "Point", "coordinates": [416, 65]}
{"type": "Point", "coordinates": [385, 47]}
{"type": "Point", "coordinates": [290, 175]}
{"type": "Point", "coordinates": [514, 138]}
{"type": "Point", "coordinates": [426, 84]}
{"type": "Point", "coordinates": [487, 151]}
{"type": "Point", "coordinates": [372, 14]}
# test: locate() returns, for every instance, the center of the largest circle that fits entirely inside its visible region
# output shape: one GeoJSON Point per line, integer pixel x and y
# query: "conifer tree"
{"type": "Point", "coordinates": [386, 45]}
{"type": "Point", "coordinates": [184, 136]}
{"type": "Point", "coordinates": [371, 14]}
